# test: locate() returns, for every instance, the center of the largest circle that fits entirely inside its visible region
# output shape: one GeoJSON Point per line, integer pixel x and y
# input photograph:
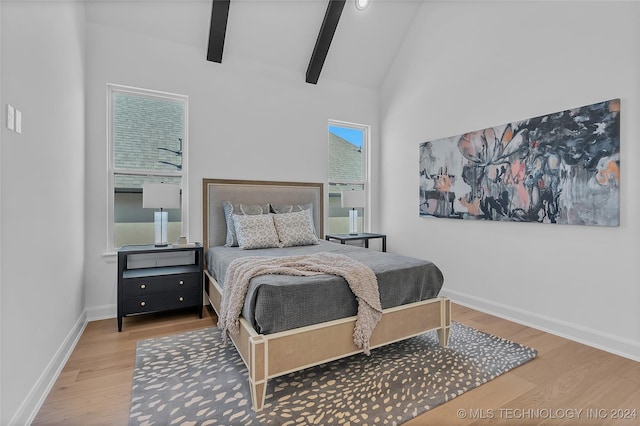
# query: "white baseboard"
{"type": "Point", "coordinates": [607, 342]}
{"type": "Point", "coordinates": [36, 397]}
{"type": "Point", "coordinates": [102, 312]}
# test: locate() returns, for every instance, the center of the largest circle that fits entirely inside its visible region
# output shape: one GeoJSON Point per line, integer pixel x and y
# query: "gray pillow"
{"type": "Point", "coordinates": [239, 208]}
{"type": "Point", "coordinates": [289, 208]}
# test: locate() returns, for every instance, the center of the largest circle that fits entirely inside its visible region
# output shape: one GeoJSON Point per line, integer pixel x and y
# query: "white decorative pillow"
{"type": "Point", "coordinates": [240, 209]}
{"type": "Point", "coordinates": [295, 229]}
{"type": "Point", "coordinates": [255, 231]}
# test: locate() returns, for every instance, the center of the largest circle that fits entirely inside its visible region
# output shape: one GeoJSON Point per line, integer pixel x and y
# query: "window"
{"type": "Point", "coordinates": [348, 144]}
{"type": "Point", "coordinates": [147, 143]}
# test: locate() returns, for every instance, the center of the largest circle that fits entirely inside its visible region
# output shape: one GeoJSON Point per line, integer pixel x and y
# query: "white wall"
{"type": "Point", "coordinates": [469, 65]}
{"type": "Point", "coordinates": [246, 121]}
{"type": "Point", "coordinates": [42, 178]}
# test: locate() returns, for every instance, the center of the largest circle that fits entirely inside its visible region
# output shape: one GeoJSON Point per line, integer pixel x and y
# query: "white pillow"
{"type": "Point", "coordinates": [255, 231]}
{"type": "Point", "coordinates": [230, 209]}
{"type": "Point", "coordinates": [295, 229]}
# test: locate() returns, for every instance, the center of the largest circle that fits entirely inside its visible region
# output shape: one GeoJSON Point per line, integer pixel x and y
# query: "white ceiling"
{"type": "Point", "coordinates": [280, 33]}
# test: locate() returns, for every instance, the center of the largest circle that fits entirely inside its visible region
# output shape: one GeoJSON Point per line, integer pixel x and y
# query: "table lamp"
{"type": "Point", "coordinates": [160, 196]}
{"type": "Point", "coordinates": [353, 200]}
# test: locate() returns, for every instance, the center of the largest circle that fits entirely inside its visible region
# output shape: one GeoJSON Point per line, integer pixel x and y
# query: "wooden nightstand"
{"type": "Point", "coordinates": [343, 238]}
{"type": "Point", "coordinates": [153, 279]}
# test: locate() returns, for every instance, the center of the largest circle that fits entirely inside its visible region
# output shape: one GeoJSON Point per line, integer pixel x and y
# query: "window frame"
{"type": "Point", "coordinates": [112, 171]}
{"type": "Point", "coordinates": [366, 159]}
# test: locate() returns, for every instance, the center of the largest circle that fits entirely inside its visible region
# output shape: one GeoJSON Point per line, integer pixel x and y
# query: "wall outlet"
{"type": "Point", "coordinates": [10, 117]}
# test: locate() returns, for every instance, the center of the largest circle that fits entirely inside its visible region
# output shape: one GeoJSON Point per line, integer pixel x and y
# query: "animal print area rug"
{"type": "Point", "coordinates": [193, 379]}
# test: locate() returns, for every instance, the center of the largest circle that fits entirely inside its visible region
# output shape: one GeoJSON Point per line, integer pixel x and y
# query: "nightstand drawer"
{"type": "Point", "coordinates": [160, 302]}
{"type": "Point", "coordinates": [163, 284]}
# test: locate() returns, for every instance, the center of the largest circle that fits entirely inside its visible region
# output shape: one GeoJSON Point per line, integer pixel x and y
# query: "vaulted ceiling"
{"type": "Point", "coordinates": [279, 33]}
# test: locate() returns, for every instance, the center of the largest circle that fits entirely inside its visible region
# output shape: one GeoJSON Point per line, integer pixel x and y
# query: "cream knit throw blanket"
{"type": "Point", "coordinates": [361, 280]}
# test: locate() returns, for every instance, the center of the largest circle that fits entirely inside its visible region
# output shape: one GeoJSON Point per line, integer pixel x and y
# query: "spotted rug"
{"type": "Point", "coordinates": [193, 379]}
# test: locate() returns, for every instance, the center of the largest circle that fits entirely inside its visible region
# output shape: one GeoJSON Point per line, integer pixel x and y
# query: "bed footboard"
{"type": "Point", "coordinates": [273, 355]}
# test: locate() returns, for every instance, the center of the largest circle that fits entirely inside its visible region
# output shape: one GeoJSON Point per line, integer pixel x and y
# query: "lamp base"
{"type": "Point", "coordinates": [353, 222]}
{"type": "Point", "coordinates": [160, 224]}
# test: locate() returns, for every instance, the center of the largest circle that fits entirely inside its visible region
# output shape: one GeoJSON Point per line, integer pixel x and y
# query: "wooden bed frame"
{"type": "Point", "coordinates": [273, 355]}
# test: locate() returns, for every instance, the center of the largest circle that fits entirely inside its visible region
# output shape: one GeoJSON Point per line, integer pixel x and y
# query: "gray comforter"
{"type": "Point", "coordinates": [278, 302]}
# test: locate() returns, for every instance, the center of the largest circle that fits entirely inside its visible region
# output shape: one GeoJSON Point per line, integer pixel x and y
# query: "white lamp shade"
{"type": "Point", "coordinates": [160, 196]}
{"type": "Point", "coordinates": [352, 199]}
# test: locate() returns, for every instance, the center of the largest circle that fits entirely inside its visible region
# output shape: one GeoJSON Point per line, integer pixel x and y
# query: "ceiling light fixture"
{"type": "Point", "coordinates": [362, 4]}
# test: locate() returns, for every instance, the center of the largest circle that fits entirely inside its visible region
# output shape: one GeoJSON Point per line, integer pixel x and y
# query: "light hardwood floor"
{"type": "Point", "coordinates": [568, 383]}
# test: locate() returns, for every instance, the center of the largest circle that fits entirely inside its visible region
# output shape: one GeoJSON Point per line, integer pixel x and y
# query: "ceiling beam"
{"type": "Point", "coordinates": [321, 49]}
{"type": "Point", "coordinates": [218, 29]}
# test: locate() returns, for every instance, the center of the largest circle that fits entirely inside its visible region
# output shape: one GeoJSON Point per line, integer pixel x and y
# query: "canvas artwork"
{"type": "Point", "coordinates": [559, 168]}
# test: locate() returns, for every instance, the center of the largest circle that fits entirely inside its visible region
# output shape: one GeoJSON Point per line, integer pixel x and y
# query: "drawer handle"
{"type": "Point", "coordinates": [181, 282]}
{"type": "Point", "coordinates": [143, 303]}
{"type": "Point", "coordinates": [143, 286]}
{"type": "Point", "coordinates": [181, 299]}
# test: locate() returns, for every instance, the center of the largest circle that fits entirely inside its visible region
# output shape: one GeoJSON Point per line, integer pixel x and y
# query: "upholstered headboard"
{"type": "Point", "coordinates": [215, 191]}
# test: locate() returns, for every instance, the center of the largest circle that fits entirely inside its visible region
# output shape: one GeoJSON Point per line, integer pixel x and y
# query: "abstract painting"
{"type": "Point", "coordinates": [561, 168]}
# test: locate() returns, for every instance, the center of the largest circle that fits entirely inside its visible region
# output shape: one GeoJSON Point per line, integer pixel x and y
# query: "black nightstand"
{"type": "Point", "coordinates": [153, 279]}
{"type": "Point", "coordinates": [343, 238]}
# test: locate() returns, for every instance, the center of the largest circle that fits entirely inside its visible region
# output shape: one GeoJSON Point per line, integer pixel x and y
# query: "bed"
{"type": "Point", "coordinates": [280, 332]}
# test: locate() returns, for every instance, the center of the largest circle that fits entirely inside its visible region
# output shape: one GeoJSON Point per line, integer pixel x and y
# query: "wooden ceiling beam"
{"type": "Point", "coordinates": [218, 29]}
{"type": "Point", "coordinates": [327, 30]}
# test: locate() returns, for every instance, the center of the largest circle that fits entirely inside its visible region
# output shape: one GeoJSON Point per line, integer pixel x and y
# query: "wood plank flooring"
{"type": "Point", "coordinates": [567, 384]}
